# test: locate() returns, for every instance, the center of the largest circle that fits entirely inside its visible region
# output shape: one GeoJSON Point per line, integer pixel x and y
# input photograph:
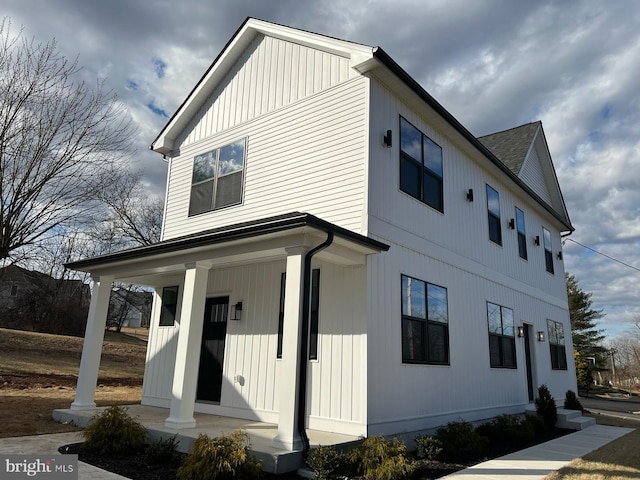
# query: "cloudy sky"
{"type": "Point", "coordinates": [575, 65]}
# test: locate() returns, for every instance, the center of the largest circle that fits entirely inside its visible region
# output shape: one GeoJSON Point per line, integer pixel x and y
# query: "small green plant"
{"type": "Point", "coordinates": [326, 462]}
{"type": "Point", "coordinates": [507, 429]}
{"type": "Point", "coordinates": [571, 401]}
{"type": "Point", "coordinates": [380, 459]}
{"type": "Point", "coordinates": [534, 422]}
{"type": "Point", "coordinates": [162, 451]}
{"type": "Point", "coordinates": [114, 431]}
{"type": "Point", "coordinates": [224, 457]}
{"type": "Point", "coordinates": [546, 407]}
{"type": "Point", "coordinates": [428, 447]}
{"type": "Point", "coordinates": [460, 440]}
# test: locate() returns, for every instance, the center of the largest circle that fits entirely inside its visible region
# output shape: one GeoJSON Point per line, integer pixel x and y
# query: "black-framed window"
{"type": "Point", "coordinates": [420, 166]}
{"type": "Point", "coordinates": [217, 179]}
{"type": "Point", "coordinates": [425, 322]}
{"type": "Point", "coordinates": [502, 342]}
{"type": "Point", "coordinates": [315, 314]}
{"type": "Point", "coordinates": [522, 234]}
{"type": "Point", "coordinates": [548, 251]}
{"type": "Point", "coordinates": [169, 306]}
{"type": "Point", "coordinates": [493, 209]}
{"type": "Point", "coordinates": [556, 345]}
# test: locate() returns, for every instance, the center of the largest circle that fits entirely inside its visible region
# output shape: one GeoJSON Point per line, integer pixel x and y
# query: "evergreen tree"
{"type": "Point", "coordinates": [587, 338]}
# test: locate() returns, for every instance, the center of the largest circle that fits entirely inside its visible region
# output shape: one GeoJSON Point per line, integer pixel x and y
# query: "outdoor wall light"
{"type": "Point", "coordinates": [512, 224]}
{"type": "Point", "coordinates": [387, 139]}
{"type": "Point", "coordinates": [536, 240]}
{"type": "Point", "coordinates": [559, 255]}
{"type": "Point", "coordinates": [470, 195]}
{"type": "Point", "coordinates": [521, 331]}
{"type": "Point", "coordinates": [541, 336]}
{"type": "Point", "coordinates": [236, 311]}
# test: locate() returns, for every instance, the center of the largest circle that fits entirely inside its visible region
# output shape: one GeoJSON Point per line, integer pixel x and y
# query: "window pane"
{"type": "Point", "coordinates": [548, 260]}
{"type": "Point", "coordinates": [507, 321]}
{"type": "Point", "coordinates": [522, 245]}
{"type": "Point", "coordinates": [438, 343]}
{"type": "Point", "coordinates": [169, 305]}
{"type": "Point", "coordinates": [229, 190]}
{"type": "Point", "coordinates": [231, 157]}
{"type": "Point", "coordinates": [495, 232]}
{"type": "Point", "coordinates": [201, 198]}
{"type": "Point", "coordinates": [508, 352]}
{"type": "Point", "coordinates": [562, 358]}
{"type": "Point", "coordinates": [204, 167]}
{"type": "Point", "coordinates": [495, 358]}
{"type": "Point", "coordinates": [413, 298]}
{"type": "Point", "coordinates": [432, 194]}
{"type": "Point", "coordinates": [520, 220]}
{"type": "Point", "coordinates": [493, 201]}
{"type": "Point", "coordinates": [493, 315]}
{"type": "Point", "coordinates": [437, 303]}
{"type": "Point", "coordinates": [413, 332]}
{"type": "Point", "coordinates": [432, 156]}
{"type": "Point", "coordinates": [410, 140]}
{"type": "Point", "coordinates": [410, 177]}
{"type": "Point", "coordinates": [547, 238]}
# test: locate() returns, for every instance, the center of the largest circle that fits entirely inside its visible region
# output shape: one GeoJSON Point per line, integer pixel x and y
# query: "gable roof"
{"type": "Point", "coordinates": [512, 146]}
{"type": "Point", "coordinates": [363, 59]}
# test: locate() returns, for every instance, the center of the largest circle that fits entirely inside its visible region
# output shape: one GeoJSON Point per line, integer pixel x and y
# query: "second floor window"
{"type": "Point", "coordinates": [522, 235]}
{"type": "Point", "coordinates": [420, 166]}
{"type": "Point", "coordinates": [548, 253]}
{"type": "Point", "coordinates": [493, 208]}
{"type": "Point", "coordinates": [218, 178]}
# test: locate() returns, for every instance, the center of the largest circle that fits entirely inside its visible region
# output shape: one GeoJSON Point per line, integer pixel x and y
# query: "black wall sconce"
{"type": "Point", "coordinates": [541, 336]}
{"type": "Point", "coordinates": [536, 240]}
{"type": "Point", "coordinates": [236, 311]}
{"type": "Point", "coordinates": [559, 255]}
{"type": "Point", "coordinates": [521, 331]}
{"type": "Point", "coordinates": [470, 195]}
{"type": "Point", "coordinates": [512, 224]}
{"type": "Point", "coordinates": [387, 139]}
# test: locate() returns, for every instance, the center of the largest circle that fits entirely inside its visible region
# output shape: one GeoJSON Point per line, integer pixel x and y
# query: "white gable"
{"type": "Point", "coordinates": [531, 173]}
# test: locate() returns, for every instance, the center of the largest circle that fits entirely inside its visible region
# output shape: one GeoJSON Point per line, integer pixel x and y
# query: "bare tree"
{"type": "Point", "coordinates": [58, 140]}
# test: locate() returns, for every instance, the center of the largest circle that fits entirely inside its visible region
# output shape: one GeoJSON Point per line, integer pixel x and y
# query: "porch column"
{"type": "Point", "coordinates": [288, 437]}
{"type": "Point", "coordinates": [92, 348]}
{"type": "Point", "coordinates": [185, 375]}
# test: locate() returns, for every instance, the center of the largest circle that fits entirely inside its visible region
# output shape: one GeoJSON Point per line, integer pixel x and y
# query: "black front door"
{"type": "Point", "coordinates": [527, 356]}
{"type": "Point", "coordinates": [212, 351]}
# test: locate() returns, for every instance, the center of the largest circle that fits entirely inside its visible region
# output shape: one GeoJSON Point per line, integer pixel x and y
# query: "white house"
{"type": "Point", "coordinates": [423, 283]}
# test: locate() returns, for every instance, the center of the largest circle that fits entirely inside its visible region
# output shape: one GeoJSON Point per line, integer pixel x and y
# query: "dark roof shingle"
{"type": "Point", "coordinates": [511, 146]}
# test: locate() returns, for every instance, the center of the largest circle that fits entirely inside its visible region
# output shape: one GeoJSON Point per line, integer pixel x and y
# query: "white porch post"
{"type": "Point", "coordinates": [92, 348]}
{"type": "Point", "coordinates": [288, 437]}
{"type": "Point", "coordinates": [185, 376]}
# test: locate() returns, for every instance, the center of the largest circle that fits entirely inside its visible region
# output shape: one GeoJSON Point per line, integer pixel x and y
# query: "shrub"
{"type": "Point", "coordinates": [571, 401]}
{"type": "Point", "coordinates": [507, 429]}
{"type": "Point", "coordinates": [224, 457]}
{"type": "Point", "coordinates": [164, 450]}
{"type": "Point", "coordinates": [379, 459]}
{"type": "Point", "coordinates": [326, 462]}
{"type": "Point", "coordinates": [114, 431]}
{"type": "Point", "coordinates": [546, 407]}
{"type": "Point", "coordinates": [535, 422]}
{"type": "Point", "coordinates": [460, 439]}
{"type": "Point", "coordinates": [428, 446]}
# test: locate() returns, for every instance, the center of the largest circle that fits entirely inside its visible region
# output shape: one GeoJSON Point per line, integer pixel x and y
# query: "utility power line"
{"type": "Point", "coordinates": [604, 255]}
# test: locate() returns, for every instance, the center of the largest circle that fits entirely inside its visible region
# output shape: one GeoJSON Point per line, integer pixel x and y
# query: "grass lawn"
{"type": "Point", "coordinates": [38, 374]}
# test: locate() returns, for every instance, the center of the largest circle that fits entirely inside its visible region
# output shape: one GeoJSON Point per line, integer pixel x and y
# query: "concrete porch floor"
{"type": "Point", "coordinates": [261, 434]}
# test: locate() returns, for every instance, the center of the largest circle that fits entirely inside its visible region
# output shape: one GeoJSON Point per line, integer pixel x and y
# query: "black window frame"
{"type": "Point", "coordinates": [200, 186]}
{"type": "Point", "coordinates": [430, 330]}
{"type": "Point", "coordinates": [522, 234]}
{"type": "Point", "coordinates": [557, 348]}
{"type": "Point", "coordinates": [423, 174]}
{"type": "Point", "coordinates": [493, 218]}
{"type": "Point", "coordinates": [314, 307]}
{"type": "Point", "coordinates": [548, 251]}
{"type": "Point", "coordinates": [501, 344]}
{"type": "Point", "coordinates": [169, 306]}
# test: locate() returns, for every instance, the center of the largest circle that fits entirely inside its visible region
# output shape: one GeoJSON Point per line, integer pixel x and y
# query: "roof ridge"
{"type": "Point", "coordinates": [539, 122]}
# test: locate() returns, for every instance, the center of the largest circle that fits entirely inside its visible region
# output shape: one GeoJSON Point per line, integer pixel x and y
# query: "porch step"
{"type": "Point", "coordinates": [571, 419]}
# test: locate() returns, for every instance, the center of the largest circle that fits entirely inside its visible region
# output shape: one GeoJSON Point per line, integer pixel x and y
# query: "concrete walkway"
{"type": "Point", "coordinates": [531, 464]}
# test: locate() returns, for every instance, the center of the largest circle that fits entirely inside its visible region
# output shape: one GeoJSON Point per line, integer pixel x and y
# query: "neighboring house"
{"type": "Point", "coordinates": [423, 284]}
{"type": "Point", "coordinates": [129, 308]}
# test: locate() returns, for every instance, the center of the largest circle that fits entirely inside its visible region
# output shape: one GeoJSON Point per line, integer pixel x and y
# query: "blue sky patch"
{"type": "Point", "coordinates": [159, 66]}
{"type": "Point", "coordinates": [157, 110]}
{"type": "Point", "coordinates": [132, 85]}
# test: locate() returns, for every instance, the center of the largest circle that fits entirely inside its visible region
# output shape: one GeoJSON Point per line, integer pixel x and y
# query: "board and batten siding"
{"type": "Point", "coordinates": [533, 176]}
{"type": "Point", "coordinates": [271, 74]}
{"type": "Point", "coordinates": [308, 156]}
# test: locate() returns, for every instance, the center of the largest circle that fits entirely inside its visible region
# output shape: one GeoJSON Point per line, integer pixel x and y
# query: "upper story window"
{"type": "Point", "coordinates": [493, 208]}
{"type": "Point", "coordinates": [425, 322]}
{"type": "Point", "coordinates": [502, 342]}
{"type": "Point", "coordinates": [420, 166]}
{"type": "Point", "coordinates": [217, 179]}
{"type": "Point", "coordinates": [522, 234]}
{"type": "Point", "coordinates": [169, 306]}
{"type": "Point", "coordinates": [548, 253]}
{"type": "Point", "coordinates": [556, 345]}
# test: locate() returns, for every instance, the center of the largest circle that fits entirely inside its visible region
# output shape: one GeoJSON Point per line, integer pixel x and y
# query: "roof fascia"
{"type": "Point", "coordinates": [235, 47]}
{"type": "Point", "coordinates": [399, 72]}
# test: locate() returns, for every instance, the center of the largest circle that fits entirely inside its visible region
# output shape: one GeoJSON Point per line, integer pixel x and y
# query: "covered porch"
{"type": "Point", "coordinates": [294, 240]}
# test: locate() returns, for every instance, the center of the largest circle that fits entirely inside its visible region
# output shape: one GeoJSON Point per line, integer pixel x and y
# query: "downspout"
{"type": "Point", "coordinates": [304, 341]}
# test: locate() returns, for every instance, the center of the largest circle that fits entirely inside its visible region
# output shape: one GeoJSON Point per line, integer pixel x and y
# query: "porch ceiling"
{"type": "Point", "coordinates": [250, 242]}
